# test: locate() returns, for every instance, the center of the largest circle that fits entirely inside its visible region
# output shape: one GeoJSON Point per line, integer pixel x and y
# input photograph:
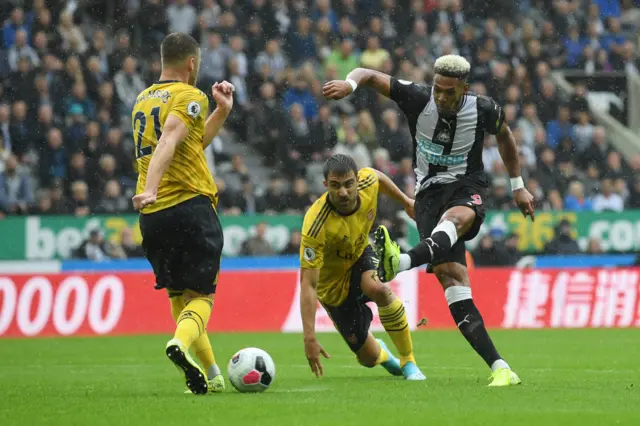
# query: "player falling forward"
{"type": "Point", "coordinates": [338, 268]}
{"type": "Point", "coordinates": [448, 124]}
{"type": "Point", "coordinates": [176, 195]}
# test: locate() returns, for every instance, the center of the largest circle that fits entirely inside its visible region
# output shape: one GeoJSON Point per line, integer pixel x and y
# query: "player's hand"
{"type": "Point", "coordinates": [313, 349]}
{"type": "Point", "coordinates": [223, 95]}
{"type": "Point", "coordinates": [336, 89]}
{"type": "Point", "coordinates": [524, 201]}
{"type": "Point", "coordinates": [144, 199]}
{"type": "Point", "coordinates": [409, 207]}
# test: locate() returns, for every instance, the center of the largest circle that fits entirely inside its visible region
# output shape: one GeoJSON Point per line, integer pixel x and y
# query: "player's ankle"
{"type": "Point", "coordinates": [405, 359]}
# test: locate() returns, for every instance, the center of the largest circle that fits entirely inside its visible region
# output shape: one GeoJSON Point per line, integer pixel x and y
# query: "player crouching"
{"type": "Point", "coordinates": [338, 268]}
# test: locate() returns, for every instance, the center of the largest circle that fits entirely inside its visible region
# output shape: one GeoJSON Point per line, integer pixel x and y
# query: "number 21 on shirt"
{"type": "Point", "coordinates": [141, 118]}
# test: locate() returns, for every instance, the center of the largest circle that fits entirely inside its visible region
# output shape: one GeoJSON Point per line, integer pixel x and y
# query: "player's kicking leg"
{"type": "Point", "coordinates": [443, 250]}
{"type": "Point", "coordinates": [191, 324]}
{"type": "Point", "coordinates": [201, 347]}
{"type": "Point", "coordinates": [394, 320]}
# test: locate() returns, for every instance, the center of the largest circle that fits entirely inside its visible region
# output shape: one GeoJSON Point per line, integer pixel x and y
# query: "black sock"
{"type": "Point", "coordinates": [471, 325]}
{"type": "Point", "coordinates": [430, 248]}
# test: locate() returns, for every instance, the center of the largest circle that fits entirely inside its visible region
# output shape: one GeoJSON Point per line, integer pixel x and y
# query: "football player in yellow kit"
{"type": "Point", "coordinates": [338, 268]}
{"type": "Point", "coordinates": [176, 195]}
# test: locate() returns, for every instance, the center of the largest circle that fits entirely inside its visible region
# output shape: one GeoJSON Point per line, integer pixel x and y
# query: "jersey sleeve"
{"type": "Point", "coordinates": [313, 239]}
{"type": "Point", "coordinates": [368, 180]}
{"type": "Point", "coordinates": [189, 106]}
{"type": "Point", "coordinates": [410, 97]}
{"type": "Point", "coordinates": [492, 115]}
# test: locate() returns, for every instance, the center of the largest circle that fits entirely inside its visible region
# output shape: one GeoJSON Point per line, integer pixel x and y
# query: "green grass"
{"type": "Point", "coordinates": [571, 377]}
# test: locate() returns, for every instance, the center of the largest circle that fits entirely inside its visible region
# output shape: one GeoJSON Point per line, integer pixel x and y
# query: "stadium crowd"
{"type": "Point", "coordinates": [71, 72]}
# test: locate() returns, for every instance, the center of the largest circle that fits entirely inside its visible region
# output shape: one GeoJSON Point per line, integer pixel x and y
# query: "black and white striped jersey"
{"type": "Point", "coordinates": [446, 149]}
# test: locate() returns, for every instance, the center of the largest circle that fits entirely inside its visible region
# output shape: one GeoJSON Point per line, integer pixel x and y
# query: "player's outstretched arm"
{"type": "Point", "coordinates": [173, 133]}
{"type": "Point", "coordinates": [338, 89]}
{"type": "Point", "coordinates": [509, 153]}
{"type": "Point", "coordinates": [308, 305]}
{"type": "Point", "coordinates": [391, 189]}
{"type": "Point", "coordinates": [223, 95]}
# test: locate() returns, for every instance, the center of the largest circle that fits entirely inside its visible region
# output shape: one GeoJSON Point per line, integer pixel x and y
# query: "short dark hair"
{"type": "Point", "coordinates": [177, 47]}
{"type": "Point", "coordinates": [339, 165]}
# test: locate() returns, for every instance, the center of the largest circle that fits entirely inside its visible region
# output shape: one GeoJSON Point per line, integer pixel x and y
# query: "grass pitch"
{"type": "Point", "coordinates": [570, 377]}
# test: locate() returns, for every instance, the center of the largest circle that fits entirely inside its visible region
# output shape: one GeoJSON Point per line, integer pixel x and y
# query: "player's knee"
{"type": "Point", "coordinates": [380, 293]}
{"type": "Point", "coordinates": [367, 360]}
{"type": "Point", "coordinates": [462, 218]}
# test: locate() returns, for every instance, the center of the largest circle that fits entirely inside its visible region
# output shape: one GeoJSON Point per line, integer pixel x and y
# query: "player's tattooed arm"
{"type": "Point", "coordinates": [391, 189]}
{"type": "Point", "coordinates": [338, 89]}
{"type": "Point", "coordinates": [509, 152]}
{"type": "Point", "coordinates": [308, 306]}
{"type": "Point", "coordinates": [173, 133]}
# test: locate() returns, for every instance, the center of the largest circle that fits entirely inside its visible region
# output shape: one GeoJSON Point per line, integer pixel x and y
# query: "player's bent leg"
{"type": "Point", "coordinates": [201, 347]}
{"type": "Point", "coordinates": [394, 320]}
{"type": "Point", "coordinates": [455, 281]}
{"type": "Point", "coordinates": [453, 225]}
{"type": "Point", "coordinates": [191, 323]}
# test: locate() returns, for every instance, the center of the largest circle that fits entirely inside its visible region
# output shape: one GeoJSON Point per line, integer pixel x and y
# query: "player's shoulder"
{"type": "Point", "coordinates": [407, 84]}
{"type": "Point", "coordinates": [366, 178]}
{"type": "Point", "coordinates": [484, 102]}
{"type": "Point", "coordinates": [316, 216]}
{"type": "Point", "coordinates": [183, 90]}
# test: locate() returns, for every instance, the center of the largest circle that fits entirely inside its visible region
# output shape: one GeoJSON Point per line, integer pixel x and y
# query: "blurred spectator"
{"type": "Point", "coordinates": [576, 200]}
{"type": "Point", "coordinates": [94, 248]}
{"type": "Point", "coordinates": [130, 248]}
{"type": "Point", "coordinates": [563, 243]}
{"type": "Point", "coordinates": [607, 200]}
{"type": "Point", "coordinates": [493, 251]}
{"type": "Point", "coordinates": [16, 192]}
{"type": "Point", "coordinates": [293, 246]}
{"type": "Point", "coordinates": [275, 199]}
{"type": "Point", "coordinates": [182, 17]}
{"type": "Point", "coordinates": [257, 245]}
{"type": "Point", "coordinates": [113, 201]}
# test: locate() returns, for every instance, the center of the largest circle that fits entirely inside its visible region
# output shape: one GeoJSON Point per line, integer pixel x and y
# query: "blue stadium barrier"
{"type": "Point", "coordinates": [229, 264]}
{"type": "Point", "coordinates": [292, 262]}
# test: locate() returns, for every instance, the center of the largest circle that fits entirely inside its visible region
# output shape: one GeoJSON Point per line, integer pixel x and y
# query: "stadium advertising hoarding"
{"type": "Point", "coordinates": [54, 237]}
{"type": "Point", "coordinates": [65, 304]}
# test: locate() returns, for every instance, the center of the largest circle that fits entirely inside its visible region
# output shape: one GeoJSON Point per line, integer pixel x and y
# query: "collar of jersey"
{"type": "Point", "coordinates": [338, 211]}
{"type": "Point", "coordinates": [166, 81]}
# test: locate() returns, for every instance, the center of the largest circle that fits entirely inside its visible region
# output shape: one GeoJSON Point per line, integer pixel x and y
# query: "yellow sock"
{"type": "Point", "coordinates": [193, 320]}
{"type": "Point", "coordinates": [394, 321]}
{"type": "Point", "coordinates": [202, 345]}
{"type": "Point", "coordinates": [204, 351]}
{"type": "Point", "coordinates": [383, 356]}
{"type": "Point", "coordinates": [176, 298]}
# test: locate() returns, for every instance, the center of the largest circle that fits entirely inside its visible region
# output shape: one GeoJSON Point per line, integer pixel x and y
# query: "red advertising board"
{"type": "Point", "coordinates": [125, 303]}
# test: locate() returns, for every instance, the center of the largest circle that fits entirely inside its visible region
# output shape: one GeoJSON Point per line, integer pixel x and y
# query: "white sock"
{"type": "Point", "coordinates": [457, 293]}
{"type": "Point", "coordinates": [214, 371]}
{"type": "Point", "coordinates": [448, 228]}
{"type": "Point", "coordinates": [501, 363]}
{"type": "Point", "coordinates": [405, 262]}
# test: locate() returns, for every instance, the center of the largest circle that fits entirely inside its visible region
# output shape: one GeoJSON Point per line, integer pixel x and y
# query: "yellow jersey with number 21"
{"type": "Point", "coordinates": [188, 175]}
